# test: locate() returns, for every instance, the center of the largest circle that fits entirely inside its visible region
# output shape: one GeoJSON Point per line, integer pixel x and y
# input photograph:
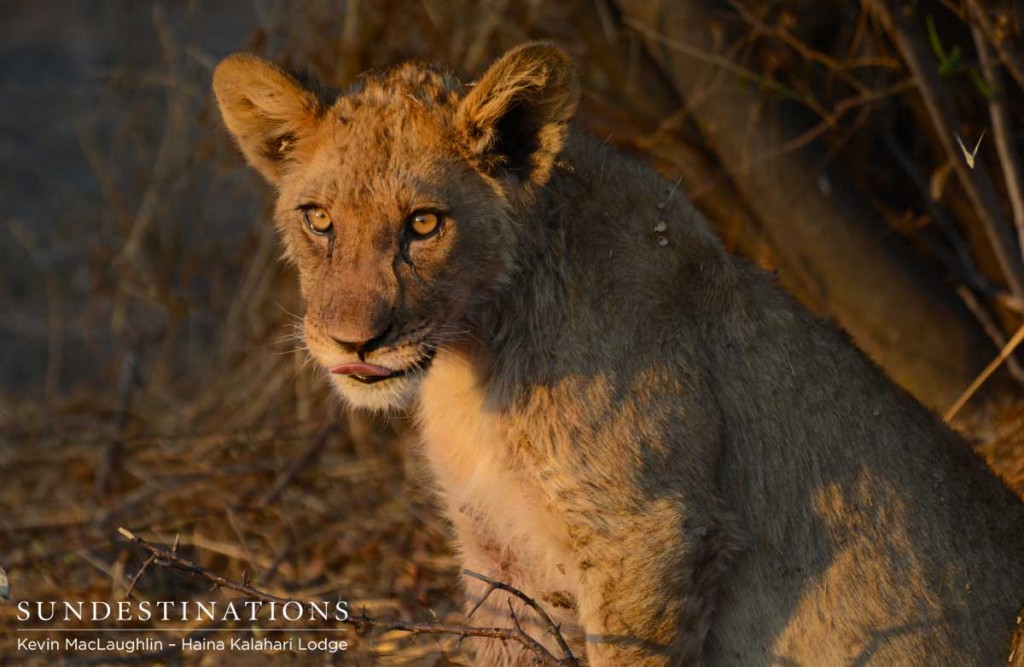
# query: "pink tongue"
{"type": "Point", "coordinates": [371, 370]}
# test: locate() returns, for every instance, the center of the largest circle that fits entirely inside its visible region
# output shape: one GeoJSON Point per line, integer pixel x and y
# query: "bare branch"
{"type": "Point", "coordinates": [138, 575]}
{"type": "Point", "coordinates": [1007, 350]}
{"type": "Point", "coordinates": [1001, 130]}
{"type": "Point", "coordinates": [959, 261]}
{"type": "Point", "coordinates": [840, 68]}
{"type": "Point", "coordinates": [1008, 58]}
{"type": "Point", "coordinates": [829, 117]}
{"type": "Point", "coordinates": [992, 329]}
{"type": "Point", "coordinates": [535, 645]}
{"type": "Point", "coordinates": [830, 122]}
{"type": "Point", "coordinates": [170, 559]}
{"type": "Point", "coordinates": [976, 183]}
{"type": "Point", "coordinates": [479, 603]}
{"type": "Point", "coordinates": [552, 627]}
{"type": "Point", "coordinates": [728, 65]}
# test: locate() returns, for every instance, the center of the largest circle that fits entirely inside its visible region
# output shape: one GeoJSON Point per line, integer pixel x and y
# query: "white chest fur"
{"type": "Point", "coordinates": [500, 513]}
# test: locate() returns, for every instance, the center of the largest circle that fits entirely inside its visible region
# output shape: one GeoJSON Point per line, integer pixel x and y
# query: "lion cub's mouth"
{"type": "Point", "coordinates": [373, 373]}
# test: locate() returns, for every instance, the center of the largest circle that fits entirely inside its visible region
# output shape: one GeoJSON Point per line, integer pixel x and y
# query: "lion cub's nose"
{"type": "Point", "coordinates": [361, 347]}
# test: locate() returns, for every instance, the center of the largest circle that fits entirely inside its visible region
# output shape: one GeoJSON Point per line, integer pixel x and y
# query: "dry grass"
{"type": "Point", "coordinates": [348, 524]}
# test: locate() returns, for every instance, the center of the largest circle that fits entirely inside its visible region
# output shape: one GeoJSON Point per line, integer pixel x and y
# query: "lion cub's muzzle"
{"type": "Point", "coordinates": [381, 372]}
{"type": "Point", "coordinates": [390, 362]}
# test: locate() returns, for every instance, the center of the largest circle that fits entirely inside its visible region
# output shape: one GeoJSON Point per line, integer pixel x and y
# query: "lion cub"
{"type": "Point", "coordinates": [627, 423]}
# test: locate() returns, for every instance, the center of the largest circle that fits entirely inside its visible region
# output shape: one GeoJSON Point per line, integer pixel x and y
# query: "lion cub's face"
{"type": "Point", "coordinates": [397, 200]}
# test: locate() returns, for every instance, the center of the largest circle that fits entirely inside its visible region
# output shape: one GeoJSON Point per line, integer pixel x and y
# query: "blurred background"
{"type": "Point", "coordinates": [868, 152]}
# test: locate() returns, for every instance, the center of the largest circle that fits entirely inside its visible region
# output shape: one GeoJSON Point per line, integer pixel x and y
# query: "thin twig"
{"type": "Point", "coordinates": [535, 645]}
{"type": "Point", "coordinates": [830, 122]}
{"type": "Point", "coordinates": [1001, 132]}
{"type": "Point", "coordinates": [727, 65]}
{"type": "Point", "coordinates": [138, 575]}
{"type": "Point", "coordinates": [991, 328]}
{"type": "Point", "coordinates": [483, 598]}
{"type": "Point", "coordinates": [553, 628]}
{"type": "Point", "coordinates": [976, 182]}
{"type": "Point", "coordinates": [170, 559]}
{"type": "Point", "coordinates": [959, 260]}
{"type": "Point", "coordinates": [169, 152]}
{"type": "Point", "coordinates": [1007, 350]}
{"type": "Point", "coordinates": [55, 311]}
{"type": "Point", "coordinates": [840, 68]}
{"type": "Point", "coordinates": [1008, 58]}
{"type": "Point", "coordinates": [829, 117]}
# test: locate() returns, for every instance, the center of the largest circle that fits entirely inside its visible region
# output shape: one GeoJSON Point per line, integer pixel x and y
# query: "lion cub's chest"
{"type": "Point", "coordinates": [507, 510]}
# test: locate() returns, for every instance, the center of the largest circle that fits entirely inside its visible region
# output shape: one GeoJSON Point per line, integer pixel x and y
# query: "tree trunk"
{"type": "Point", "coordinates": [894, 306]}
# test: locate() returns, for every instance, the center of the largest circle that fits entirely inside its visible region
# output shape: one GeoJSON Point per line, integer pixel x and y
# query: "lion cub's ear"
{"type": "Point", "coordinates": [267, 111]}
{"type": "Point", "coordinates": [515, 119]}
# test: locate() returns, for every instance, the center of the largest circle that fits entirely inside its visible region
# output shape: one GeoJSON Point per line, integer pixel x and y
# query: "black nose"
{"type": "Point", "coordinates": [364, 347]}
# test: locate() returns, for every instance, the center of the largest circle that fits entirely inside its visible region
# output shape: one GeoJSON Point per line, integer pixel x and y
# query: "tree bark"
{"type": "Point", "coordinates": [895, 306]}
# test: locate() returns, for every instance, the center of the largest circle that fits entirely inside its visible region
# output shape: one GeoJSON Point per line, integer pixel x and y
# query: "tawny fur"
{"type": "Point", "coordinates": [626, 422]}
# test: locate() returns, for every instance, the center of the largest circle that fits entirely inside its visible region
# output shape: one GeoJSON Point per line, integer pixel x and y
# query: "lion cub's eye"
{"type": "Point", "coordinates": [318, 220]}
{"type": "Point", "coordinates": [424, 223]}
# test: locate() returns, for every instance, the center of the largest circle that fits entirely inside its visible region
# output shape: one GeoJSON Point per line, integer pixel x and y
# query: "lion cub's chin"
{"type": "Point", "coordinates": [387, 396]}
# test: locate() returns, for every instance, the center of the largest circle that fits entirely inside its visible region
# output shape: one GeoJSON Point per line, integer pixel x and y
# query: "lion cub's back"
{"type": "Point", "coordinates": [876, 534]}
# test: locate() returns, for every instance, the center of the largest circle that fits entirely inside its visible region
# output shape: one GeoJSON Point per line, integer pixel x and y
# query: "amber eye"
{"type": "Point", "coordinates": [424, 224]}
{"type": "Point", "coordinates": [318, 220]}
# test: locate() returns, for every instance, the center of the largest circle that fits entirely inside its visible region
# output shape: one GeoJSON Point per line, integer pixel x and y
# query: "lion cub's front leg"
{"type": "Point", "coordinates": [633, 484]}
{"type": "Point", "coordinates": [647, 588]}
{"type": "Point", "coordinates": [482, 553]}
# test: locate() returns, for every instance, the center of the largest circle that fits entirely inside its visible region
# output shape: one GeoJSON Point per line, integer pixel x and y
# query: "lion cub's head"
{"type": "Point", "coordinates": [398, 199]}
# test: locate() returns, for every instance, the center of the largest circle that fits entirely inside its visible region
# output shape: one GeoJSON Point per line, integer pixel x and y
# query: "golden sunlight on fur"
{"type": "Point", "coordinates": [627, 423]}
